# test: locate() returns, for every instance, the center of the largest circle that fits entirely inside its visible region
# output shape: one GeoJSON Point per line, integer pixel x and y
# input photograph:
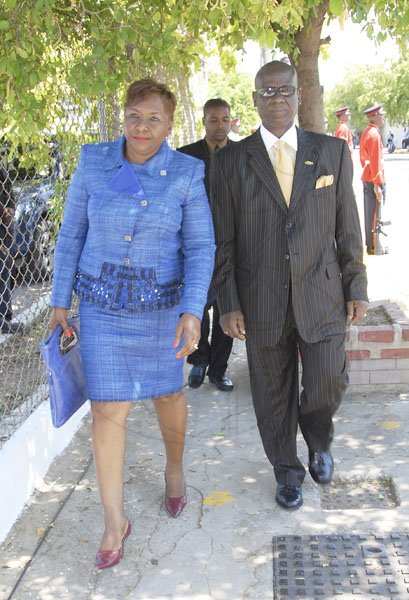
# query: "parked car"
{"type": "Point", "coordinates": [34, 232]}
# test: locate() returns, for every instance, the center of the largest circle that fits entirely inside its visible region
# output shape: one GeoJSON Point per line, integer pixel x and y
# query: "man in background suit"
{"type": "Point", "coordinates": [214, 354]}
{"type": "Point", "coordinates": [289, 276]}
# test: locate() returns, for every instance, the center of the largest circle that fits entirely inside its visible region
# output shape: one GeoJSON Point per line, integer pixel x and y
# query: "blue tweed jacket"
{"type": "Point", "coordinates": [156, 217]}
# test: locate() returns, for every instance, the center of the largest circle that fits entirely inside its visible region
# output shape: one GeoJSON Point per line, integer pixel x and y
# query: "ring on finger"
{"type": "Point", "coordinates": [196, 346]}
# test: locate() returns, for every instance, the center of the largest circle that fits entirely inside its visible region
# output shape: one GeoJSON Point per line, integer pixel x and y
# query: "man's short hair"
{"type": "Point", "coordinates": [276, 65]}
{"type": "Point", "coordinates": [215, 103]}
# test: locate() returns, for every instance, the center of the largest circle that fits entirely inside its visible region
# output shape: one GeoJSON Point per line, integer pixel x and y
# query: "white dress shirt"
{"type": "Point", "coordinates": [289, 137]}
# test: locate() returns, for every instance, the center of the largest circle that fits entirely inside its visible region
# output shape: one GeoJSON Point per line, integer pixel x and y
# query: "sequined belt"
{"type": "Point", "coordinates": [133, 289]}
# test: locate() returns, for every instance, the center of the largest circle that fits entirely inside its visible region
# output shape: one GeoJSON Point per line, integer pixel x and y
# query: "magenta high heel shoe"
{"type": "Point", "coordinates": [105, 559]}
{"type": "Point", "coordinates": [175, 505]}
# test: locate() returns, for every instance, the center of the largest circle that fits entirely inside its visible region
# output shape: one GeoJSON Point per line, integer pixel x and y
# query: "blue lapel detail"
{"type": "Point", "coordinates": [125, 181]}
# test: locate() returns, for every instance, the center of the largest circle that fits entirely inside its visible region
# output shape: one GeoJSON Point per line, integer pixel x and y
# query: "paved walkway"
{"type": "Point", "coordinates": [220, 548]}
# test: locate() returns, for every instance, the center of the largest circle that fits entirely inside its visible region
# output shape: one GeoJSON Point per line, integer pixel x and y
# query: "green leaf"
{"type": "Point", "coordinates": [99, 50]}
{"type": "Point", "coordinates": [33, 78]}
{"type": "Point", "coordinates": [21, 52]}
{"type": "Point", "coordinates": [336, 7]}
{"type": "Point", "coordinates": [383, 20]}
{"type": "Point", "coordinates": [215, 16]}
{"type": "Point", "coordinates": [270, 38]}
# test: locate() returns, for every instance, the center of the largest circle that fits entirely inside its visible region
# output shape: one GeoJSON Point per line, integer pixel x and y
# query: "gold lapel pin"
{"type": "Point", "coordinates": [308, 162]}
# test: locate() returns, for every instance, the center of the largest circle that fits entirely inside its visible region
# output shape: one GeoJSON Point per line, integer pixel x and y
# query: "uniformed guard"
{"type": "Point", "coordinates": [373, 177]}
{"type": "Point", "coordinates": [343, 131]}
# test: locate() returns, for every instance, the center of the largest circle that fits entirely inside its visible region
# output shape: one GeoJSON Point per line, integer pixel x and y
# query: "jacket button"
{"type": "Point", "coordinates": [126, 261]}
{"type": "Point", "coordinates": [144, 203]}
{"type": "Point", "coordinates": [128, 238]}
{"type": "Point", "coordinates": [285, 285]}
{"type": "Point", "coordinates": [287, 256]}
{"type": "Point", "coordinates": [289, 225]}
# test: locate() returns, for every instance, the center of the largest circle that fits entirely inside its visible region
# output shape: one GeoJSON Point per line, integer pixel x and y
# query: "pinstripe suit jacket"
{"type": "Point", "coordinates": [264, 248]}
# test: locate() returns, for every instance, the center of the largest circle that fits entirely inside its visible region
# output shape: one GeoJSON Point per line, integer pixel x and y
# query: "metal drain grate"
{"type": "Point", "coordinates": [346, 566]}
{"type": "Point", "coordinates": [360, 493]}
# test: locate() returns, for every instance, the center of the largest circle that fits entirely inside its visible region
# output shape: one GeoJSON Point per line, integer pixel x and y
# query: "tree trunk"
{"type": "Point", "coordinates": [116, 123]}
{"type": "Point", "coordinates": [308, 42]}
{"type": "Point", "coordinates": [102, 121]}
{"type": "Point", "coordinates": [186, 118]}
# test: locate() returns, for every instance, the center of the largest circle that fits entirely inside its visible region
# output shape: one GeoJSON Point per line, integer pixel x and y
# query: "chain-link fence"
{"type": "Point", "coordinates": [32, 190]}
{"type": "Point", "coordinates": [33, 183]}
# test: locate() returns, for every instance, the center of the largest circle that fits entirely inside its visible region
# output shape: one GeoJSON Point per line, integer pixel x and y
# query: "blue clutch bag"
{"type": "Point", "coordinates": [64, 372]}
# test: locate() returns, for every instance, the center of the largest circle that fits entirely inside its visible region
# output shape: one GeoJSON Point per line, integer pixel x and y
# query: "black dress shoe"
{"type": "Point", "coordinates": [289, 496]}
{"type": "Point", "coordinates": [222, 382]}
{"type": "Point", "coordinates": [196, 376]}
{"type": "Point", "coordinates": [8, 327]}
{"type": "Point", "coordinates": [321, 466]}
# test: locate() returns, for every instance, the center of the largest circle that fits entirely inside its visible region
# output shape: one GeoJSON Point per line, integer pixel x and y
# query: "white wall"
{"type": "Point", "coordinates": [26, 457]}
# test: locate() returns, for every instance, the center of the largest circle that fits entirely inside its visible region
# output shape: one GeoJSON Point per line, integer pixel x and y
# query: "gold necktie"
{"type": "Point", "coordinates": [282, 157]}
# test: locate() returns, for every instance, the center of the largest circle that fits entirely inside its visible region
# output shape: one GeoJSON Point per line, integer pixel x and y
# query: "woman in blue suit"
{"type": "Point", "coordinates": [137, 246]}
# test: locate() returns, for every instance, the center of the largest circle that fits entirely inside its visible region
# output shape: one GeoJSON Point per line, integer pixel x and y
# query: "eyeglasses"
{"type": "Point", "coordinates": [284, 90]}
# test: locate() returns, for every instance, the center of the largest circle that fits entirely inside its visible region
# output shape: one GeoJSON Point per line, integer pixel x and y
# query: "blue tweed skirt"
{"type": "Point", "coordinates": [129, 356]}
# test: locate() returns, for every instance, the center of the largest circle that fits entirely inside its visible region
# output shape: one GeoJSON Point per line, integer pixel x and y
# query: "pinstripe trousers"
{"type": "Point", "coordinates": [280, 408]}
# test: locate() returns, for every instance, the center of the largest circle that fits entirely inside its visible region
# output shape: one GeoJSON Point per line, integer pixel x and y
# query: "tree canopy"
{"type": "Point", "coordinates": [365, 86]}
{"type": "Point", "coordinates": [303, 44]}
{"type": "Point", "coordinates": [60, 57]}
{"type": "Point", "coordinates": [295, 28]}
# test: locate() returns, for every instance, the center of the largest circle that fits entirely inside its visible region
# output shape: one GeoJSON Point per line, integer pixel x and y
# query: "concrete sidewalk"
{"type": "Point", "coordinates": [220, 548]}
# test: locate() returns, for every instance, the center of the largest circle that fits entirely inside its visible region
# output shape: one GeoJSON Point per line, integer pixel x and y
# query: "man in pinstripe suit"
{"type": "Point", "coordinates": [289, 276]}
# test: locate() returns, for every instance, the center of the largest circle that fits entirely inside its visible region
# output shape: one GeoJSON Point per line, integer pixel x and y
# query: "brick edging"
{"type": "Point", "coordinates": [379, 354]}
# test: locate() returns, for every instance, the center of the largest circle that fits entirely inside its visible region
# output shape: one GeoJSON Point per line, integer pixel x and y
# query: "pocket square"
{"type": "Point", "coordinates": [324, 181]}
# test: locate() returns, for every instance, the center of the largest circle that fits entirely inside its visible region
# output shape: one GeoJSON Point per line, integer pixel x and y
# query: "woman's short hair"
{"type": "Point", "coordinates": [143, 88]}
